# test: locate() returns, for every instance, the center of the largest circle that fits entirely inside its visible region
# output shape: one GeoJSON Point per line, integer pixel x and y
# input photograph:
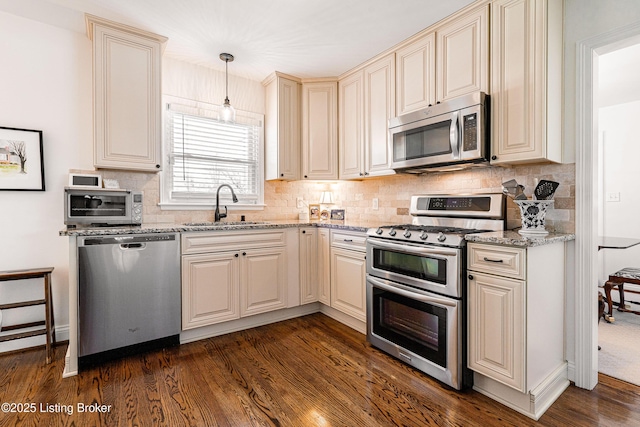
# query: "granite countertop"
{"type": "Point", "coordinates": [513, 238]}
{"type": "Point", "coordinates": [359, 226]}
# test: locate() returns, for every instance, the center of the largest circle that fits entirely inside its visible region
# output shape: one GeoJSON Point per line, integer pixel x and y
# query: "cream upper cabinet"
{"type": "Point", "coordinates": [462, 55]}
{"type": "Point", "coordinates": [127, 106]}
{"type": "Point", "coordinates": [366, 103]}
{"type": "Point", "coordinates": [351, 125]}
{"type": "Point", "coordinates": [526, 91]}
{"type": "Point", "coordinates": [319, 129]}
{"type": "Point", "coordinates": [416, 75]}
{"type": "Point", "coordinates": [282, 127]}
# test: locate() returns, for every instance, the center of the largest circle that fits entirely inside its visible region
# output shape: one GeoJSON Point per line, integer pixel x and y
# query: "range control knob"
{"type": "Point", "coordinates": [406, 234]}
{"type": "Point", "coordinates": [441, 237]}
{"type": "Point", "coordinates": [424, 235]}
{"type": "Point", "coordinates": [379, 231]}
{"type": "Point", "coordinates": [392, 232]}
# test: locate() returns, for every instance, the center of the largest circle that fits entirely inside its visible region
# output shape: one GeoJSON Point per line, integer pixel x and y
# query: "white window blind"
{"type": "Point", "coordinates": [205, 153]}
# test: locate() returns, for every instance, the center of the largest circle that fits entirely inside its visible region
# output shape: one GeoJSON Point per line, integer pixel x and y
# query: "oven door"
{"type": "Point", "coordinates": [417, 327]}
{"type": "Point", "coordinates": [432, 268]}
{"type": "Point", "coordinates": [97, 207]}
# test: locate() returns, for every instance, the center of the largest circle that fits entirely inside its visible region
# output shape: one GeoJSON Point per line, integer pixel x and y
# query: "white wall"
{"type": "Point", "coordinates": [620, 175]}
{"type": "Point", "coordinates": [45, 82]}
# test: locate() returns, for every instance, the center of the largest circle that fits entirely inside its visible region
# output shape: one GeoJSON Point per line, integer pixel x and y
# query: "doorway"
{"type": "Point", "coordinates": [587, 197]}
{"type": "Point", "coordinates": [618, 94]}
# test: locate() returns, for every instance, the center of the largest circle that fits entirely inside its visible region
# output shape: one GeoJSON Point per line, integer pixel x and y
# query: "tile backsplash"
{"type": "Point", "coordinates": [393, 193]}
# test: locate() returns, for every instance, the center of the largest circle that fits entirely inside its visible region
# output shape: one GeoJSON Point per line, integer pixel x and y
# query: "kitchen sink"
{"type": "Point", "coordinates": [223, 223]}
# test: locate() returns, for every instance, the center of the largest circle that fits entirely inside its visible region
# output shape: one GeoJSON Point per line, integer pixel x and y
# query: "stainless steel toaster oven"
{"type": "Point", "coordinates": [102, 207]}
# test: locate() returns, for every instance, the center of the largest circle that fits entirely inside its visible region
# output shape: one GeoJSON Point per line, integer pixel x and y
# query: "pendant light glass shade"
{"type": "Point", "coordinates": [227, 113]}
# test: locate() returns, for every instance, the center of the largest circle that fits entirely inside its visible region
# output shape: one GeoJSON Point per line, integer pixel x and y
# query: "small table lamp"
{"type": "Point", "coordinates": [326, 198]}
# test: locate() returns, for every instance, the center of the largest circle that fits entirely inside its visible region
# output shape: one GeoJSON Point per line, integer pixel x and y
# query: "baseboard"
{"type": "Point", "coordinates": [532, 404]}
{"type": "Point", "coordinates": [210, 331]}
{"type": "Point", "coordinates": [345, 319]}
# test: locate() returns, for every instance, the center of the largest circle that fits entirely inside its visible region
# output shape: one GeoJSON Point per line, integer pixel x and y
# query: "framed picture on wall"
{"type": "Point", "coordinates": [21, 160]}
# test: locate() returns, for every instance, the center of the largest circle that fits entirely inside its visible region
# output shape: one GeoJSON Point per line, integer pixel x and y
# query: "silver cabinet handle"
{"type": "Point", "coordinates": [493, 260]}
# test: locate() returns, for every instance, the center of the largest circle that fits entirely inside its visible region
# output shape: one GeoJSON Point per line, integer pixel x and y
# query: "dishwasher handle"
{"type": "Point", "coordinates": [133, 246]}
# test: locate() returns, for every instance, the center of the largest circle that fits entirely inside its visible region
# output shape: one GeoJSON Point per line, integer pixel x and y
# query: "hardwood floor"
{"type": "Point", "coordinates": [310, 371]}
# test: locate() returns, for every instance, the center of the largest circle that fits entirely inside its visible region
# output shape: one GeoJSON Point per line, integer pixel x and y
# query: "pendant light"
{"type": "Point", "coordinates": [227, 112]}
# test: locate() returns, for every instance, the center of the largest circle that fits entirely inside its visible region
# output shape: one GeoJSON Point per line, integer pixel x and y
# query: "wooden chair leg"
{"type": "Point", "coordinates": [621, 307]}
{"type": "Point", "coordinates": [608, 285]}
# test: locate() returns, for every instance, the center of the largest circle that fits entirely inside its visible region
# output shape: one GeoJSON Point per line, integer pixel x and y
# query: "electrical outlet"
{"type": "Point", "coordinates": [375, 204]}
{"type": "Point", "coordinates": [613, 197]}
{"type": "Point", "coordinates": [299, 203]}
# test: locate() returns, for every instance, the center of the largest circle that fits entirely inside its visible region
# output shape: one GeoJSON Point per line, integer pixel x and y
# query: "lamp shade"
{"type": "Point", "coordinates": [326, 198]}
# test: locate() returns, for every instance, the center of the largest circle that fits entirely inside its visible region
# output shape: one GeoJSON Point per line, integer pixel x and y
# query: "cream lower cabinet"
{"type": "Point", "coordinates": [309, 264]}
{"type": "Point", "coordinates": [228, 275]}
{"type": "Point", "coordinates": [324, 265]}
{"type": "Point", "coordinates": [127, 106]}
{"type": "Point", "coordinates": [526, 87]}
{"type": "Point", "coordinates": [348, 274]}
{"type": "Point", "coordinates": [516, 311]}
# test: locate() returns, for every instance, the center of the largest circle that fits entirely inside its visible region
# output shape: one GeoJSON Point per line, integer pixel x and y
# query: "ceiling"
{"type": "Point", "coordinates": [304, 38]}
{"type": "Point", "coordinates": [618, 81]}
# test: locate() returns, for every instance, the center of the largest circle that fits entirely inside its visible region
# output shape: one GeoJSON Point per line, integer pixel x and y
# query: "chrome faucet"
{"type": "Point", "coordinates": [218, 216]}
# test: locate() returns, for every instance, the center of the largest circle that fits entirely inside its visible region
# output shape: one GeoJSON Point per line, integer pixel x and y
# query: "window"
{"type": "Point", "coordinates": [203, 153]}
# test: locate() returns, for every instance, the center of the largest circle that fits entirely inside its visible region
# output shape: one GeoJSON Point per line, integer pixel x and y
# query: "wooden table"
{"type": "Point", "coordinates": [605, 242]}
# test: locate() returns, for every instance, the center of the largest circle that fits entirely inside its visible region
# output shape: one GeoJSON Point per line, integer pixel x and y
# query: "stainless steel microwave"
{"type": "Point", "coordinates": [449, 135]}
{"type": "Point", "coordinates": [102, 207]}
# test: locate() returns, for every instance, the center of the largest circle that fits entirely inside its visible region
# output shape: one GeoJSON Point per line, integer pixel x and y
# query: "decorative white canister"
{"type": "Point", "coordinates": [533, 214]}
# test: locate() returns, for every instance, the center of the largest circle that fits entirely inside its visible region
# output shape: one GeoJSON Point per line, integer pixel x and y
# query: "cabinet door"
{"type": "Point", "coordinates": [308, 265]}
{"type": "Point", "coordinates": [324, 266]}
{"type": "Point", "coordinates": [462, 56]}
{"type": "Point", "coordinates": [497, 329]}
{"type": "Point", "coordinates": [210, 284]}
{"type": "Point", "coordinates": [319, 130]}
{"type": "Point", "coordinates": [526, 58]}
{"type": "Point", "coordinates": [350, 125]}
{"type": "Point", "coordinates": [379, 107]}
{"type": "Point", "coordinates": [416, 75]}
{"type": "Point", "coordinates": [348, 275]}
{"type": "Point", "coordinates": [282, 129]}
{"type": "Point", "coordinates": [263, 280]}
{"type": "Point", "coordinates": [127, 98]}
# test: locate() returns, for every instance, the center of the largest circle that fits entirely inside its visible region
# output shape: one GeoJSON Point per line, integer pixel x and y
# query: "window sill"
{"type": "Point", "coordinates": [208, 207]}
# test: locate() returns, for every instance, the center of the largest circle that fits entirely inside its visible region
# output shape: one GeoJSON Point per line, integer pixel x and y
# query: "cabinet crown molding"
{"type": "Point", "coordinates": [92, 20]}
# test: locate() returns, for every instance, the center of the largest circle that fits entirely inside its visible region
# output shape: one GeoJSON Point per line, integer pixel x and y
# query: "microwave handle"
{"type": "Point", "coordinates": [454, 135]}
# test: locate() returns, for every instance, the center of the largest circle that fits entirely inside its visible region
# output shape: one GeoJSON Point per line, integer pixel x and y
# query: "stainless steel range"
{"type": "Point", "coordinates": [416, 282]}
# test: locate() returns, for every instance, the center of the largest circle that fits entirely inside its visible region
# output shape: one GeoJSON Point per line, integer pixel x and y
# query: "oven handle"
{"type": "Point", "coordinates": [409, 249]}
{"type": "Point", "coordinates": [413, 295]}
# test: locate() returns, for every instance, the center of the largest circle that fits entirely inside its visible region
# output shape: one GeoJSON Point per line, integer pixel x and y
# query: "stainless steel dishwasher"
{"type": "Point", "coordinates": [129, 294]}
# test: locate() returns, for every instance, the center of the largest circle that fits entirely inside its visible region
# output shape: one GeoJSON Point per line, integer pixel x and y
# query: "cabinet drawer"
{"type": "Point", "coordinates": [499, 260]}
{"type": "Point", "coordinates": [349, 240]}
{"type": "Point", "coordinates": [217, 241]}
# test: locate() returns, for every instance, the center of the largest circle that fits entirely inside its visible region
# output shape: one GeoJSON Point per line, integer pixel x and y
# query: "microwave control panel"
{"type": "Point", "coordinates": [470, 132]}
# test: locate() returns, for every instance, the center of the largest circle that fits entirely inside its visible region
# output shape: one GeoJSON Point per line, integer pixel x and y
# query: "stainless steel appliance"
{"type": "Point", "coordinates": [416, 282]}
{"type": "Point", "coordinates": [129, 293]}
{"type": "Point", "coordinates": [102, 207]}
{"type": "Point", "coordinates": [449, 135]}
